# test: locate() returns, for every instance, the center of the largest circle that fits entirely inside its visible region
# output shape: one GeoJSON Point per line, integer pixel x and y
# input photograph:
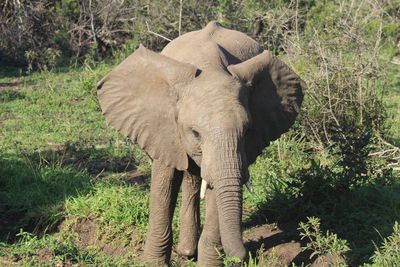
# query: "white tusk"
{"type": "Point", "coordinates": [203, 188]}
{"type": "Point", "coordinates": [249, 186]}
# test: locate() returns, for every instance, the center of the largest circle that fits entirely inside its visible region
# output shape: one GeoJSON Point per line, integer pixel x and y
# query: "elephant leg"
{"type": "Point", "coordinates": [165, 184]}
{"type": "Point", "coordinates": [189, 215]}
{"type": "Point", "coordinates": [210, 240]}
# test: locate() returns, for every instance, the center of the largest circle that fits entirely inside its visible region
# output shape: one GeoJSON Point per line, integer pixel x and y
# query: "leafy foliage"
{"type": "Point", "coordinates": [322, 244]}
{"type": "Point", "coordinates": [388, 253]}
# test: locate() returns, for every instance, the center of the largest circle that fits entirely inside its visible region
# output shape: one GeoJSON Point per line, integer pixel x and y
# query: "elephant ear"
{"type": "Point", "coordinates": [275, 97]}
{"type": "Point", "coordinates": [138, 98]}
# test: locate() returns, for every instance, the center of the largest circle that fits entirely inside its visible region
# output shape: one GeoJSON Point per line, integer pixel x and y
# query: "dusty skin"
{"type": "Point", "coordinates": [203, 108]}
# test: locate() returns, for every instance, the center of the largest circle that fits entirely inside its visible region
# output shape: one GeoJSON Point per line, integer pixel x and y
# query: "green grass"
{"type": "Point", "coordinates": [54, 147]}
{"type": "Point", "coordinates": [113, 205]}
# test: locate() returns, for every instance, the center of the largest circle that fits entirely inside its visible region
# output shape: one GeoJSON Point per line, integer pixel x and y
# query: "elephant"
{"type": "Point", "coordinates": [203, 109]}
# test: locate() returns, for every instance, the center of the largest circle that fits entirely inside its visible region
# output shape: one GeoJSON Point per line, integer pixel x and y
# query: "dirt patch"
{"type": "Point", "coordinates": [327, 261]}
{"type": "Point", "coordinates": [6, 85]}
{"type": "Point", "coordinates": [7, 262]}
{"type": "Point", "coordinates": [44, 255]}
{"type": "Point", "coordinates": [119, 165]}
{"type": "Point", "coordinates": [89, 235]}
{"type": "Point", "coordinates": [286, 245]}
{"type": "Point", "coordinates": [134, 177]}
{"type": "Point", "coordinates": [87, 231]}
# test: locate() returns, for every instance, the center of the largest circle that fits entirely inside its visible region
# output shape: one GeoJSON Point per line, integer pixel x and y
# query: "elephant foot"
{"type": "Point", "coordinates": [154, 263]}
{"type": "Point", "coordinates": [210, 253]}
{"type": "Point", "coordinates": [154, 256]}
{"type": "Point", "coordinates": [187, 248]}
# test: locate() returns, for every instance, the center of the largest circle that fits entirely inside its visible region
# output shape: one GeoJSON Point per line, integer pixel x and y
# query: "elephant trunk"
{"type": "Point", "coordinates": [228, 190]}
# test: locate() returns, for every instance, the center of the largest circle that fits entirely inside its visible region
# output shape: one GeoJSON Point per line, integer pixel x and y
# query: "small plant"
{"type": "Point", "coordinates": [51, 57]}
{"type": "Point", "coordinates": [321, 244]}
{"type": "Point", "coordinates": [261, 259]}
{"type": "Point", "coordinates": [388, 253]}
{"type": "Point", "coordinates": [231, 261]}
{"type": "Point", "coordinates": [31, 56]}
{"type": "Point", "coordinates": [43, 60]}
{"type": "Point", "coordinates": [264, 259]}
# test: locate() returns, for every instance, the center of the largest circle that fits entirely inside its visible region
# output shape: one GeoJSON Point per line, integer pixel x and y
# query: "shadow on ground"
{"type": "Point", "coordinates": [362, 215]}
{"type": "Point", "coordinates": [9, 91]}
{"type": "Point", "coordinates": [34, 187]}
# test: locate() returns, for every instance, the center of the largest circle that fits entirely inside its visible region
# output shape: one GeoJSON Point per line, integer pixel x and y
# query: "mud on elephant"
{"type": "Point", "coordinates": [206, 106]}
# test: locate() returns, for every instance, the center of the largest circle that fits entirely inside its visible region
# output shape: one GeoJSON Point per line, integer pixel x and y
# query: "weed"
{"type": "Point", "coordinates": [388, 253]}
{"type": "Point", "coordinates": [322, 244]}
{"type": "Point", "coordinates": [263, 259]}
{"type": "Point", "coordinates": [43, 60]}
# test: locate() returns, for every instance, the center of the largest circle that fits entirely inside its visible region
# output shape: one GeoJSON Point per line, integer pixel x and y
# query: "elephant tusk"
{"type": "Point", "coordinates": [249, 186]}
{"type": "Point", "coordinates": [203, 188]}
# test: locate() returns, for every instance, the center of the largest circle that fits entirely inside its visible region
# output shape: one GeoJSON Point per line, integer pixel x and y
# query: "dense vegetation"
{"type": "Point", "coordinates": [73, 191]}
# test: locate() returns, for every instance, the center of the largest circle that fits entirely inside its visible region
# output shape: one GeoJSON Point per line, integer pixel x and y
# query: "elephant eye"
{"type": "Point", "coordinates": [196, 134]}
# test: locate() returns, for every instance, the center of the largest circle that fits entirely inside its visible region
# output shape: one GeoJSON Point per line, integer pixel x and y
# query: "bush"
{"type": "Point", "coordinates": [388, 254]}
{"type": "Point", "coordinates": [26, 26]}
{"type": "Point", "coordinates": [343, 109]}
{"type": "Point", "coordinates": [322, 244]}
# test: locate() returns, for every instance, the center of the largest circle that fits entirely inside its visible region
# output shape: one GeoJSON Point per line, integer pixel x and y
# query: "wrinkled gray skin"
{"type": "Point", "coordinates": [205, 107]}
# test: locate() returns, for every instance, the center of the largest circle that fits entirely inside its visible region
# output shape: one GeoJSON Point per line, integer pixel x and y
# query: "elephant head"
{"type": "Point", "coordinates": [221, 119]}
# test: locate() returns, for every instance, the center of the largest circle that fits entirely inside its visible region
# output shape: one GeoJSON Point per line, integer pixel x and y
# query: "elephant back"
{"type": "Point", "coordinates": [199, 46]}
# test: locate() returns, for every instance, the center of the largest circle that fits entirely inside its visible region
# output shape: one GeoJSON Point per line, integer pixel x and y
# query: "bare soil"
{"type": "Point", "coordinates": [5, 85]}
{"type": "Point", "coordinates": [286, 245]}
{"type": "Point", "coordinates": [89, 234]}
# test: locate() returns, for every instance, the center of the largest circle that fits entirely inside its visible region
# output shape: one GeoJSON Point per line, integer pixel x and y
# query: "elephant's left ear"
{"type": "Point", "coordinates": [275, 97]}
{"type": "Point", "coordinates": [138, 98]}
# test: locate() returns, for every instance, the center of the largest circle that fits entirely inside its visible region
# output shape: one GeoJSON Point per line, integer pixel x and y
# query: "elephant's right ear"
{"type": "Point", "coordinates": [275, 97]}
{"type": "Point", "coordinates": [138, 98]}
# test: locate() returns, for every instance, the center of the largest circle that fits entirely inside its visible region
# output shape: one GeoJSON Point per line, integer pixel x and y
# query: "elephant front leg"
{"type": "Point", "coordinates": [189, 215]}
{"type": "Point", "coordinates": [165, 184]}
{"type": "Point", "coordinates": [210, 240]}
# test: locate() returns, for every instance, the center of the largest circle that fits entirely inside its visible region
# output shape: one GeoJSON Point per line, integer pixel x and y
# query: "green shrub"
{"type": "Point", "coordinates": [387, 254]}
{"type": "Point", "coordinates": [319, 243]}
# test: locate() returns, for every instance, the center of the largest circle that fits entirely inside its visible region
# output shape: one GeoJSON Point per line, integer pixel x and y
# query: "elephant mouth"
{"type": "Point", "coordinates": [205, 185]}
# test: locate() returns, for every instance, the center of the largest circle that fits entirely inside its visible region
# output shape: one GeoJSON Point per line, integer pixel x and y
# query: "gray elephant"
{"type": "Point", "coordinates": [206, 106]}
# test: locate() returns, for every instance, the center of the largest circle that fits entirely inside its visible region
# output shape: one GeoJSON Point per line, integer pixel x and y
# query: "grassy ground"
{"type": "Point", "coordinates": [58, 162]}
